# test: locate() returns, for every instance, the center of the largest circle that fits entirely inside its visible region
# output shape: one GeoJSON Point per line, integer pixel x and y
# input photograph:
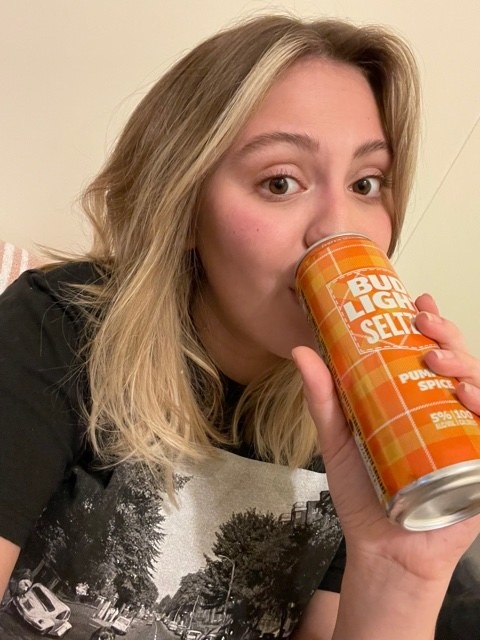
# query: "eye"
{"type": "Point", "coordinates": [370, 186]}
{"type": "Point", "coordinates": [281, 185]}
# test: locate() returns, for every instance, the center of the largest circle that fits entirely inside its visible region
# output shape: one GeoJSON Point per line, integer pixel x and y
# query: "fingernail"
{"type": "Point", "coordinates": [431, 317]}
{"type": "Point", "coordinates": [442, 354]}
{"type": "Point", "coordinates": [470, 388]}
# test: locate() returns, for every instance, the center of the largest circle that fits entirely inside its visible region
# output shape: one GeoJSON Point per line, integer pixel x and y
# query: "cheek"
{"type": "Point", "coordinates": [382, 236]}
{"type": "Point", "coordinates": [387, 234]}
{"type": "Point", "coordinates": [235, 232]}
{"type": "Point", "coordinates": [379, 230]}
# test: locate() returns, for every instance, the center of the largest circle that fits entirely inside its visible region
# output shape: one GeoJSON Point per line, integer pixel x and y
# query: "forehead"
{"type": "Point", "coordinates": [314, 93]}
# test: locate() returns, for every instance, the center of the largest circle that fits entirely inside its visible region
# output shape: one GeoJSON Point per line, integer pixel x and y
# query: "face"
{"type": "Point", "coordinates": [311, 161]}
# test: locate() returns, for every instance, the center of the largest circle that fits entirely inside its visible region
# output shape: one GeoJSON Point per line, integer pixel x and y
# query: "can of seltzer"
{"type": "Point", "coordinates": [421, 446]}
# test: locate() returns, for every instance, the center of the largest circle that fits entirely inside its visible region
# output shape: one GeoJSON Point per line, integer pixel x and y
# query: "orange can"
{"type": "Point", "coordinates": [420, 445]}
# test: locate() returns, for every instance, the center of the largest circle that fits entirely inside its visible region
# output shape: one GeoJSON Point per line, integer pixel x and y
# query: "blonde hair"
{"type": "Point", "coordinates": [155, 394]}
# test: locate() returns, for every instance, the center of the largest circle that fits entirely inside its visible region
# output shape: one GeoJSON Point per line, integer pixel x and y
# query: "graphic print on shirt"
{"type": "Point", "coordinates": [239, 557]}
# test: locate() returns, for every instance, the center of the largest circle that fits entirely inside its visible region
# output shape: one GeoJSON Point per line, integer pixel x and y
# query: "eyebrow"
{"type": "Point", "coordinates": [306, 143]}
{"type": "Point", "coordinates": [302, 141]}
{"type": "Point", "coordinates": [370, 147]}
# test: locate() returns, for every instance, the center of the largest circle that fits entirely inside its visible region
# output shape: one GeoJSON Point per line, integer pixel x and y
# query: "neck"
{"type": "Point", "coordinates": [235, 357]}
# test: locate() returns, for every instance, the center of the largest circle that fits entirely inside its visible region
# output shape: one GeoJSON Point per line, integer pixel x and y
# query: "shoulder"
{"type": "Point", "coordinates": [53, 279]}
{"type": "Point", "coordinates": [48, 290]}
{"type": "Point", "coordinates": [40, 323]}
{"type": "Point", "coordinates": [56, 279]}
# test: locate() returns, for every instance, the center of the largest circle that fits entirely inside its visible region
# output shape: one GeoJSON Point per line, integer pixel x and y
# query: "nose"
{"type": "Point", "coordinates": [330, 215]}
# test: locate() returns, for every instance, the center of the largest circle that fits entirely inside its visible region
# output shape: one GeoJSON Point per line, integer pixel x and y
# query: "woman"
{"type": "Point", "coordinates": [152, 382]}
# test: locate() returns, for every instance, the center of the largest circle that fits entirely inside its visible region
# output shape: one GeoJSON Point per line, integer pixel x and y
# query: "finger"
{"type": "Point", "coordinates": [453, 358]}
{"type": "Point", "coordinates": [426, 302]}
{"type": "Point", "coordinates": [444, 332]}
{"type": "Point", "coordinates": [321, 398]}
{"type": "Point", "coordinates": [455, 364]}
{"type": "Point", "coordinates": [469, 395]}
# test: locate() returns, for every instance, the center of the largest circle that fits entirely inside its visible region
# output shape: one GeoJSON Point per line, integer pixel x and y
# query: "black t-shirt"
{"type": "Point", "coordinates": [244, 549]}
{"type": "Point", "coordinates": [107, 552]}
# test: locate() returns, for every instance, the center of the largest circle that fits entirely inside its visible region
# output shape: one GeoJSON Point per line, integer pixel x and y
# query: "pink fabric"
{"type": "Point", "coordinates": [14, 260]}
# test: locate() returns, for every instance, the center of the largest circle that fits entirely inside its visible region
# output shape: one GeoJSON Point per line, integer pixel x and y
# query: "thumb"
{"type": "Point", "coordinates": [322, 400]}
{"type": "Point", "coordinates": [355, 501]}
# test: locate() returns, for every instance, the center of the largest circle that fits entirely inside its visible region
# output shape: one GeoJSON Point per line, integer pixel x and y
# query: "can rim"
{"type": "Point", "coordinates": [418, 507]}
{"type": "Point", "coordinates": [317, 243]}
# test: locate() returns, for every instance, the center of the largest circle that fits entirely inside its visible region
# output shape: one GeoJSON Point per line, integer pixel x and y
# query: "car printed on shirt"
{"type": "Point", "coordinates": [121, 625]}
{"type": "Point", "coordinates": [42, 610]}
{"type": "Point", "coordinates": [221, 632]}
{"type": "Point", "coordinates": [190, 634]}
{"type": "Point", "coordinates": [173, 626]}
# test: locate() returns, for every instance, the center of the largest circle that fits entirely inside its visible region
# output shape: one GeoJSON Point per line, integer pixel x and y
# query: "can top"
{"type": "Point", "coordinates": [329, 238]}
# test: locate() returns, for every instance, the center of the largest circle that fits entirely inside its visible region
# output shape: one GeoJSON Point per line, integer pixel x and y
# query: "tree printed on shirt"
{"type": "Point", "coordinates": [121, 535]}
{"type": "Point", "coordinates": [187, 598]}
{"type": "Point", "coordinates": [257, 575]}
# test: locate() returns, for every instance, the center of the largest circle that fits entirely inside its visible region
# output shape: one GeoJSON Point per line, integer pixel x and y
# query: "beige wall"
{"type": "Point", "coordinates": [71, 71]}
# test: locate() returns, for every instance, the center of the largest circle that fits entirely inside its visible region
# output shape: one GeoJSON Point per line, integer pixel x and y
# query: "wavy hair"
{"type": "Point", "coordinates": [155, 393]}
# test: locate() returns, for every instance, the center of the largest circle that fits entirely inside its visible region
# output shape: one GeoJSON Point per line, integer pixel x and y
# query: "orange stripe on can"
{"type": "Point", "coordinates": [421, 446]}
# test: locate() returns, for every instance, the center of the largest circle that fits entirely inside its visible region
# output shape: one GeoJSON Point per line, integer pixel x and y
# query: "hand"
{"type": "Point", "coordinates": [369, 534]}
{"type": "Point", "coordinates": [453, 358]}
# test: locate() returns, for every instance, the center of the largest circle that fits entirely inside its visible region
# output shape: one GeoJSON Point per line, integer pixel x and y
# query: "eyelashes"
{"type": "Point", "coordinates": [371, 186]}
{"type": "Point", "coordinates": [282, 184]}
